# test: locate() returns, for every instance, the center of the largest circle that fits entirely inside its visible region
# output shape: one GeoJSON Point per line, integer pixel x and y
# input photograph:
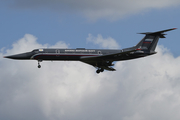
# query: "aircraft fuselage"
{"type": "Point", "coordinates": [71, 54]}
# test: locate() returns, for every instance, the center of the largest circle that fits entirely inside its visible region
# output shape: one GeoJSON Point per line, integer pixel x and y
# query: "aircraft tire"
{"type": "Point", "coordinates": [98, 71]}
{"type": "Point", "coordinates": [101, 70]}
{"type": "Point", "coordinates": [39, 66]}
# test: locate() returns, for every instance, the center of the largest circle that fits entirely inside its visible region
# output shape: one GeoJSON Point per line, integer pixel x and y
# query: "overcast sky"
{"type": "Point", "coordinates": [142, 89]}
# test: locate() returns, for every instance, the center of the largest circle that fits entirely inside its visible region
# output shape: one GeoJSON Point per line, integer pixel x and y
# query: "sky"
{"type": "Point", "coordinates": [146, 88]}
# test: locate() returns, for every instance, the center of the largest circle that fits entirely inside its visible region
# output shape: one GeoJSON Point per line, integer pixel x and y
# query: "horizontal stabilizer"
{"type": "Point", "coordinates": [160, 33]}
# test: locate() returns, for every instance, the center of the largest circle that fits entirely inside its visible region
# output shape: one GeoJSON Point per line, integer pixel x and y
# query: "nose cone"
{"type": "Point", "coordinates": [23, 56]}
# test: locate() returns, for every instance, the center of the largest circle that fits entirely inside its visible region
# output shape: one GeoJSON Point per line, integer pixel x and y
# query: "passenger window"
{"type": "Point", "coordinates": [99, 52]}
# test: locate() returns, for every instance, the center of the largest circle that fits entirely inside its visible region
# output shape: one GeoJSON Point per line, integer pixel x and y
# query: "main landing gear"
{"type": "Point", "coordinates": [99, 70]}
{"type": "Point", "coordinates": [39, 66]}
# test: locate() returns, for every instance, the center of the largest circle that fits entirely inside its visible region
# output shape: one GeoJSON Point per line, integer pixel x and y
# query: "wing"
{"type": "Point", "coordinates": [101, 64]}
{"type": "Point", "coordinates": [105, 61]}
{"type": "Point", "coordinates": [108, 57]}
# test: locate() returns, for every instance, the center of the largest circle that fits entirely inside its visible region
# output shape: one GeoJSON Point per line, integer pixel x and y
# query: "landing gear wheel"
{"type": "Point", "coordinates": [98, 71]}
{"type": "Point", "coordinates": [101, 70]}
{"type": "Point", "coordinates": [39, 66]}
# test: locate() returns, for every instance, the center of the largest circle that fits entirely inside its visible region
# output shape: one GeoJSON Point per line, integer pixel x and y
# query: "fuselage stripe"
{"type": "Point", "coordinates": [36, 56]}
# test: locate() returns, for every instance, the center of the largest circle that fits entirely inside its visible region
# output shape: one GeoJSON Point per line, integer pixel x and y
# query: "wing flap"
{"type": "Point", "coordinates": [108, 68]}
{"type": "Point", "coordinates": [93, 63]}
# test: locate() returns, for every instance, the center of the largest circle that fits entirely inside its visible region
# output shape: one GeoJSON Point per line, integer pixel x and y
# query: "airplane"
{"type": "Point", "coordinates": [101, 59]}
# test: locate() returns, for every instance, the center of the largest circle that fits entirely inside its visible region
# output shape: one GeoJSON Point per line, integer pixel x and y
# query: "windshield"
{"type": "Point", "coordinates": [35, 51]}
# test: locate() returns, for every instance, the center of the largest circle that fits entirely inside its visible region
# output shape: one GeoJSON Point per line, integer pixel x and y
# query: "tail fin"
{"type": "Point", "coordinates": [149, 42]}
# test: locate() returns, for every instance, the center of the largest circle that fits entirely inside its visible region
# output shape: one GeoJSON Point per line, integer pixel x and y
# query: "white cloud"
{"type": "Point", "coordinates": [103, 42]}
{"type": "Point", "coordinates": [93, 9]}
{"type": "Point", "coordinates": [146, 88]}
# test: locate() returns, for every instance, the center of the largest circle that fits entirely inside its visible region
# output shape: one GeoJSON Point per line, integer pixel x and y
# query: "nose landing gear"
{"type": "Point", "coordinates": [39, 66]}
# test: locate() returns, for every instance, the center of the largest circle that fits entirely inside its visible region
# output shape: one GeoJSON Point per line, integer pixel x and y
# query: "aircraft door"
{"type": "Point", "coordinates": [58, 52]}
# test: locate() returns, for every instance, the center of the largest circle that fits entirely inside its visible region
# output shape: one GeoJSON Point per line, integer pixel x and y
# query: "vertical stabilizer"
{"type": "Point", "coordinates": [149, 42]}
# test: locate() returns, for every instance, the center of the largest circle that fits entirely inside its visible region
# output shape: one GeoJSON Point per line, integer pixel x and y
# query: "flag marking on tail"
{"type": "Point", "coordinates": [148, 41]}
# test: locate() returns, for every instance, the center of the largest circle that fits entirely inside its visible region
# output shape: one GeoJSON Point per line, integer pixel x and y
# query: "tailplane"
{"type": "Point", "coordinates": [149, 42]}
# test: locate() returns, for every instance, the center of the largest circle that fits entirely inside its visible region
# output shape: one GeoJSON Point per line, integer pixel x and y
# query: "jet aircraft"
{"type": "Point", "coordinates": [102, 59]}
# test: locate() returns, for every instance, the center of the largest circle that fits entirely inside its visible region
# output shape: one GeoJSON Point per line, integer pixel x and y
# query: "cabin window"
{"type": "Point", "coordinates": [99, 52]}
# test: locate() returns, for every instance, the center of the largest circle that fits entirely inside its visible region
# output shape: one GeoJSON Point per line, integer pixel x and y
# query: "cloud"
{"type": "Point", "coordinates": [93, 9]}
{"type": "Point", "coordinates": [146, 88]}
{"type": "Point", "coordinates": [104, 43]}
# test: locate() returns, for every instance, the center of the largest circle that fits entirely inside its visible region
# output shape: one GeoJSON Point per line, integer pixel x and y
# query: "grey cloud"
{"type": "Point", "coordinates": [93, 9]}
{"type": "Point", "coordinates": [146, 88]}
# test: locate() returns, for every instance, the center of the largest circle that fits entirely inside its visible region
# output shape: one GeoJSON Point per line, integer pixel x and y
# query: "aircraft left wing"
{"type": "Point", "coordinates": [102, 65]}
{"type": "Point", "coordinates": [105, 61]}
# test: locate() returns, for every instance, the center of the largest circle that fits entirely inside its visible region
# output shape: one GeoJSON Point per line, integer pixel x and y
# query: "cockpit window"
{"type": "Point", "coordinates": [35, 51]}
{"type": "Point", "coordinates": [38, 50]}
